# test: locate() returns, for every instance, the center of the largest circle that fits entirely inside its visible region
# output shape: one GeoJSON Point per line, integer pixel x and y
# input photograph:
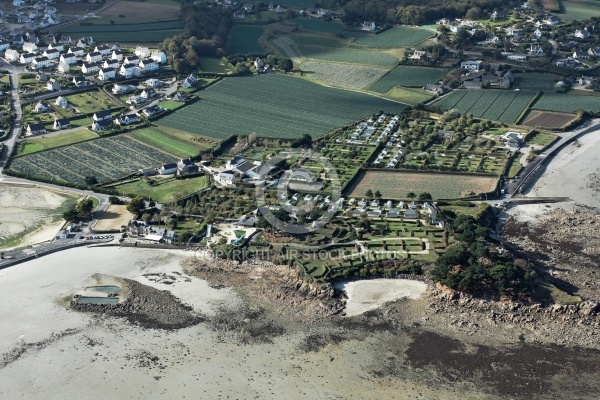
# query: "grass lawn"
{"type": "Point", "coordinates": [90, 102]}
{"type": "Point", "coordinates": [170, 140]}
{"type": "Point", "coordinates": [171, 105]}
{"type": "Point", "coordinates": [38, 144]}
{"type": "Point", "coordinates": [515, 167]}
{"type": "Point", "coordinates": [213, 65]}
{"type": "Point", "coordinates": [409, 95]}
{"type": "Point", "coordinates": [542, 139]}
{"type": "Point", "coordinates": [166, 190]}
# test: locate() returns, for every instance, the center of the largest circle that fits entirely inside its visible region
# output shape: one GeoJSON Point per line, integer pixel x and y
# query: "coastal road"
{"type": "Point", "coordinates": [526, 176]}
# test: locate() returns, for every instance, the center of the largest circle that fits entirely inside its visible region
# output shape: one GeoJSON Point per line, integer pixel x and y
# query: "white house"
{"type": "Point", "coordinates": [42, 107]}
{"type": "Point", "coordinates": [594, 51]}
{"type": "Point", "coordinates": [90, 68]}
{"type": "Point", "coordinates": [80, 81]}
{"type": "Point", "coordinates": [99, 126]}
{"type": "Point", "coordinates": [120, 88]}
{"type": "Point", "coordinates": [62, 123]}
{"type": "Point", "coordinates": [536, 50]}
{"type": "Point", "coordinates": [142, 52]}
{"type": "Point", "coordinates": [30, 47]}
{"type": "Point", "coordinates": [117, 55]}
{"type": "Point", "coordinates": [57, 47]}
{"type": "Point", "coordinates": [368, 26]}
{"type": "Point", "coordinates": [36, 129]}
{"type": "Point", "coordinates": [51, 54]}
{"type": "Point", "coordinates": [520, 57]}
{"type": "Point", "coordinates": [102, 49]}
{"type": "Point", "coordinates": [190, 81]}
{"type": "Point", "coordinates": [109, 63]}
{"type": "Point", "coordinates": [11, 55]}
{"type": "Point", "coordinates": [106, 74]}
{"type": "Point", "coordinates": [472, 65]}
{"type": "Point", "coordinates": [93, 57]}
{"type": "Point", "coordinates": [152, 111]}
{"type": "Point", "coordinates": [61, 102]}
{"type": "Point", "coordinates": [26, 58]}
{"type": "Point", "coordinates": [135, 100]}
{"type": "Point", "coordinates": [68, 59]}
{"type": "Point", "coordinates": [135, 60]}
{"type": "Point", "coordinates": [41, 62]}
{"type": "Point", "coordinates": [168, 169]}
{"type": "Point", "coordinates": [159, 57]}
{"type": "Point", "coordinates": [225, 179]}
{"type": "Point", "coordinates": [537, 34]}
{"type": "Point", "coordinates": [580, 55]}
{"type": "Point", "coordinates": [104, 115]}
{"type": "Point", "coordinates": [127, 119]}
{"type": "Point", "coordinates": [4, 45]}
{"type": "Point", "coordinates": [455, 28]}
{"type": "Point", "coordinates": [551, 20]}
{"type": "Point", "coordinates": [148, 65]}
{"type": "Point", "coordinates": [514, 31]}
{"type": "Point", "coordinates": [147, 93]}
{"type": "Point", "coordinates": [53, 85]}
{"type": "Point", "coordinates": [152, 82]}
{"type": "Point", "coordinates": [581, 34]}
{"type": "Point", "coordinates": [129, 70]}
{"type": "Point", "coordinates": [76, 51]}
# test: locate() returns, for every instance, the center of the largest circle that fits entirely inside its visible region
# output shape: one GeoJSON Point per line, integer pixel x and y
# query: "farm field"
{"type": "Point", "coordinates": [273, 106]}
{"type": "Point", "coordinates": [354, 56]}
{"type": "Point", "coordinates": [578, 9]}
{"type": "Point", "coordinates": [496, 105]}
{"type": "Point", "coordinates": [412, 96]}
{"type": "Point", "coordinates": [547, 119]}
{"type": "Point", "coordinates": [164, 190]}
{"type": "Point", "coordinates": [179, 143]}
{"type": "Point", "coordinates": [535, 81]}
{"type": "Point", "coordinates": [395, 37]}
{"type": "Point", "coordinates": [411, 76]}
{"type": "Point", "coordinates": [396, 185]}
{"type": "Point", "coordinates": [244, 39]}
{"type": "Point", "coordinates": [107, 159]}
{"type": "Point", "coordinates": [132, 12]}
{"type": "Point", "coordinates": [551, 5]}
{"type": "Point", "coordinates": [318, 25]}
{"type": "Point", "coordinates": [565, 102]}
{"type": "Point", "coordinates": [130, 27]}
{"type": "Point", "coordinates": [38, 144]}
{"type": "Point", "coordinates": [150, 36]}
{"type": "Point", "coordinates": [342, 75]}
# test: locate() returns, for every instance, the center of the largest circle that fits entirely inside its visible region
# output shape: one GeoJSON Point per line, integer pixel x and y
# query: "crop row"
{"type": "Point", "coordinates": [395, 37]}
{"type": "Point", "coordinates": [565, 102]}
{"type": "Point", "coordinates": [343, 75]}
{"type": "Point", "coordinates": [274, 106]}
{"type": "Point", "coordinates": [516, 108]}
{"type": "Point", "coordinates": [106, 158]}
{"type": "Point", "coordinates": [354, 56]}
{"type": "Point", "coordinates": [411, 76]}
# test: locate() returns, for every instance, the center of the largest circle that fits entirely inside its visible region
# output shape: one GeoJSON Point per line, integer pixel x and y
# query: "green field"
{"type": "Point", "coordinates": [342, 75]}
{"type": "Point", "coordinates": [107, 159]}
{"type": "Point", "coordinates": [212, 65]}
{"type": "Point", "coordinates": [172, 141]}
{"type": "Point", "coordinates": [410, 96]}
{"type": "Point", "coordinates": [395, 37]}
{"type": "Point", "coordinates": [567, 102]}
{"type": "Point", "coordinates": [495, 105]}
{"type": "Point", "coordinates": [411, 76]}
{"type": "Point", "coordinates": [244, 39]}
{"type": "Point", "coordinates": [535, 81]}
{"type": "Point", "coordinates": [88, 103]}
{"type": "Point", "coordinates": [368, 57]}
{"type": "Point", "coordinates": [318, 25]}
{"type": "Point", "coordinates": [131, 28]}
{"type": "Point", "coordinates": [274, 106]}
{"type": "Point", "coordinates": [164, 190]}
{"type": "Point", "coordinates": [38, 144]}
{"type": "Point", "coordinates": [579, 9]}
{"type": "Point", "coordinates": [317, 40]}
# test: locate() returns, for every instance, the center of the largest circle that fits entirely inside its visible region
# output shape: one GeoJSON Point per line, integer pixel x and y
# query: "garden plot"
{"type": "Point", "coordinates": [107, 159]}
{"type": "Point", "coordinates": [547, 119]}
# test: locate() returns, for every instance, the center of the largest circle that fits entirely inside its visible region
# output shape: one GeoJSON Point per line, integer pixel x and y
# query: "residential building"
{"type": "Point", "coordinates": [536, 50]}
{"type": "Point", "coordinates": [100, 126]}
{"type": "Point", "coordinates": [36, 129]}
{"type": "Point", "coordinates": [51, 54]}
{"type": "Point", "coordinates": [580, 55]}
{"type": "Point", "coordinates": [551, 20]}
{"type": "Point", "coordinates": [58, 47]}
{"type": "Point", "coordinates": [42, 107]}
{"type": "Point", "coordinates": [142, 52]}
{"type": "Point", "coordinates": [225, 179]}
{"type": "Point", "coordinates": [517, 57]}
{"type": "Point", "coordinates": [148, 65]}
{"type": "Point", "coordinates": [147, 93]}
{"type": "Point", "coordinates": [167, 169]}
{"type": "Point", "coordinates": [152, 82]}
{"type": "Point", "coordinates": [129, 70]}
{"type": "Point", "coordinates": [4, 45]}
{"type": "Point", "coordinates": [581, 34]}
{"type": "Point", "coordinates": [11, 55]}
{"type": "Point", "coordinates": [90, 68]}
{"type": "Point", "coordinates": [368, 26]}
{"type": "Point", "coordinates": [110, 63]}
{"type": "Point", "coordinates": [41, 62]}
{"type": "Point", "coordinates": [61, 102]}
{"type": "Point", "coordinates": [418, 55]}
{"type": "Point", "coordinates": [121, 89]}
{"type": "Point", "coordinates": [135, 100]}
{"type": "Point", "coordinates": [53, 85]}
{"type": "Point", "coordinates": [159, 57]}
{"type": "Point", "coordinates": [106, 74]}
{"type": "Point", "coordinates": [80, 81]}
{"type": "Point", "coordinates": [190, 81]}
{"type": "Point", "coordinates": [103, 115]}
{"type": "Point", "coordinates": [76, 51]}
{"type": "Point", "coordinates": [30, 47]}
{"type": "Point", "coordinates": [127, 119]}
{"type": "Point", "coordinates": [152, 111]}
{"type": "Point", "coordinates": [594, 51]}
{"type": "Point", "coordinates": [472, 65]}
{"type": "Point", "coordinates": [63, 68]}
{"type": "Point", "coordinates": [41, 77]}
{"type": "Point", "coordinates": [538, 34]}
{"type": "Point", "coordinates": [93, 57]}
{"type": "Point", "coordinates": [117, 55]}
{"type": "Point", "coordinates": [68, 58]}
{"type": "Point", "coordinates": [102, 49]}
{"type": "Point", "coordinates": [514, 31]}
{"type": "Point", "coordinates": [26, 58]}
{"type": "Point", "coordinates": [62, 123]}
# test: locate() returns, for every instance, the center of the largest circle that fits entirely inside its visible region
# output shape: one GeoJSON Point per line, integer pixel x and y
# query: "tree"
{"type": "Point", "coordinates": [411, 195]}
{"type": "Point", "coordinates": [136, 205]}
{"type": "Point", "coordinates": [91, 180]}
{"type": "Point", "coordinates": [377, 194]}
{"type": "Point", "coordinates": [85, 207]}
{"type": "Point", "coordinates": [369, 193]}
{"type": "Point", "coordinates": [425, 196]}
{"type": "Point", "coordinates": [114, 200]}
